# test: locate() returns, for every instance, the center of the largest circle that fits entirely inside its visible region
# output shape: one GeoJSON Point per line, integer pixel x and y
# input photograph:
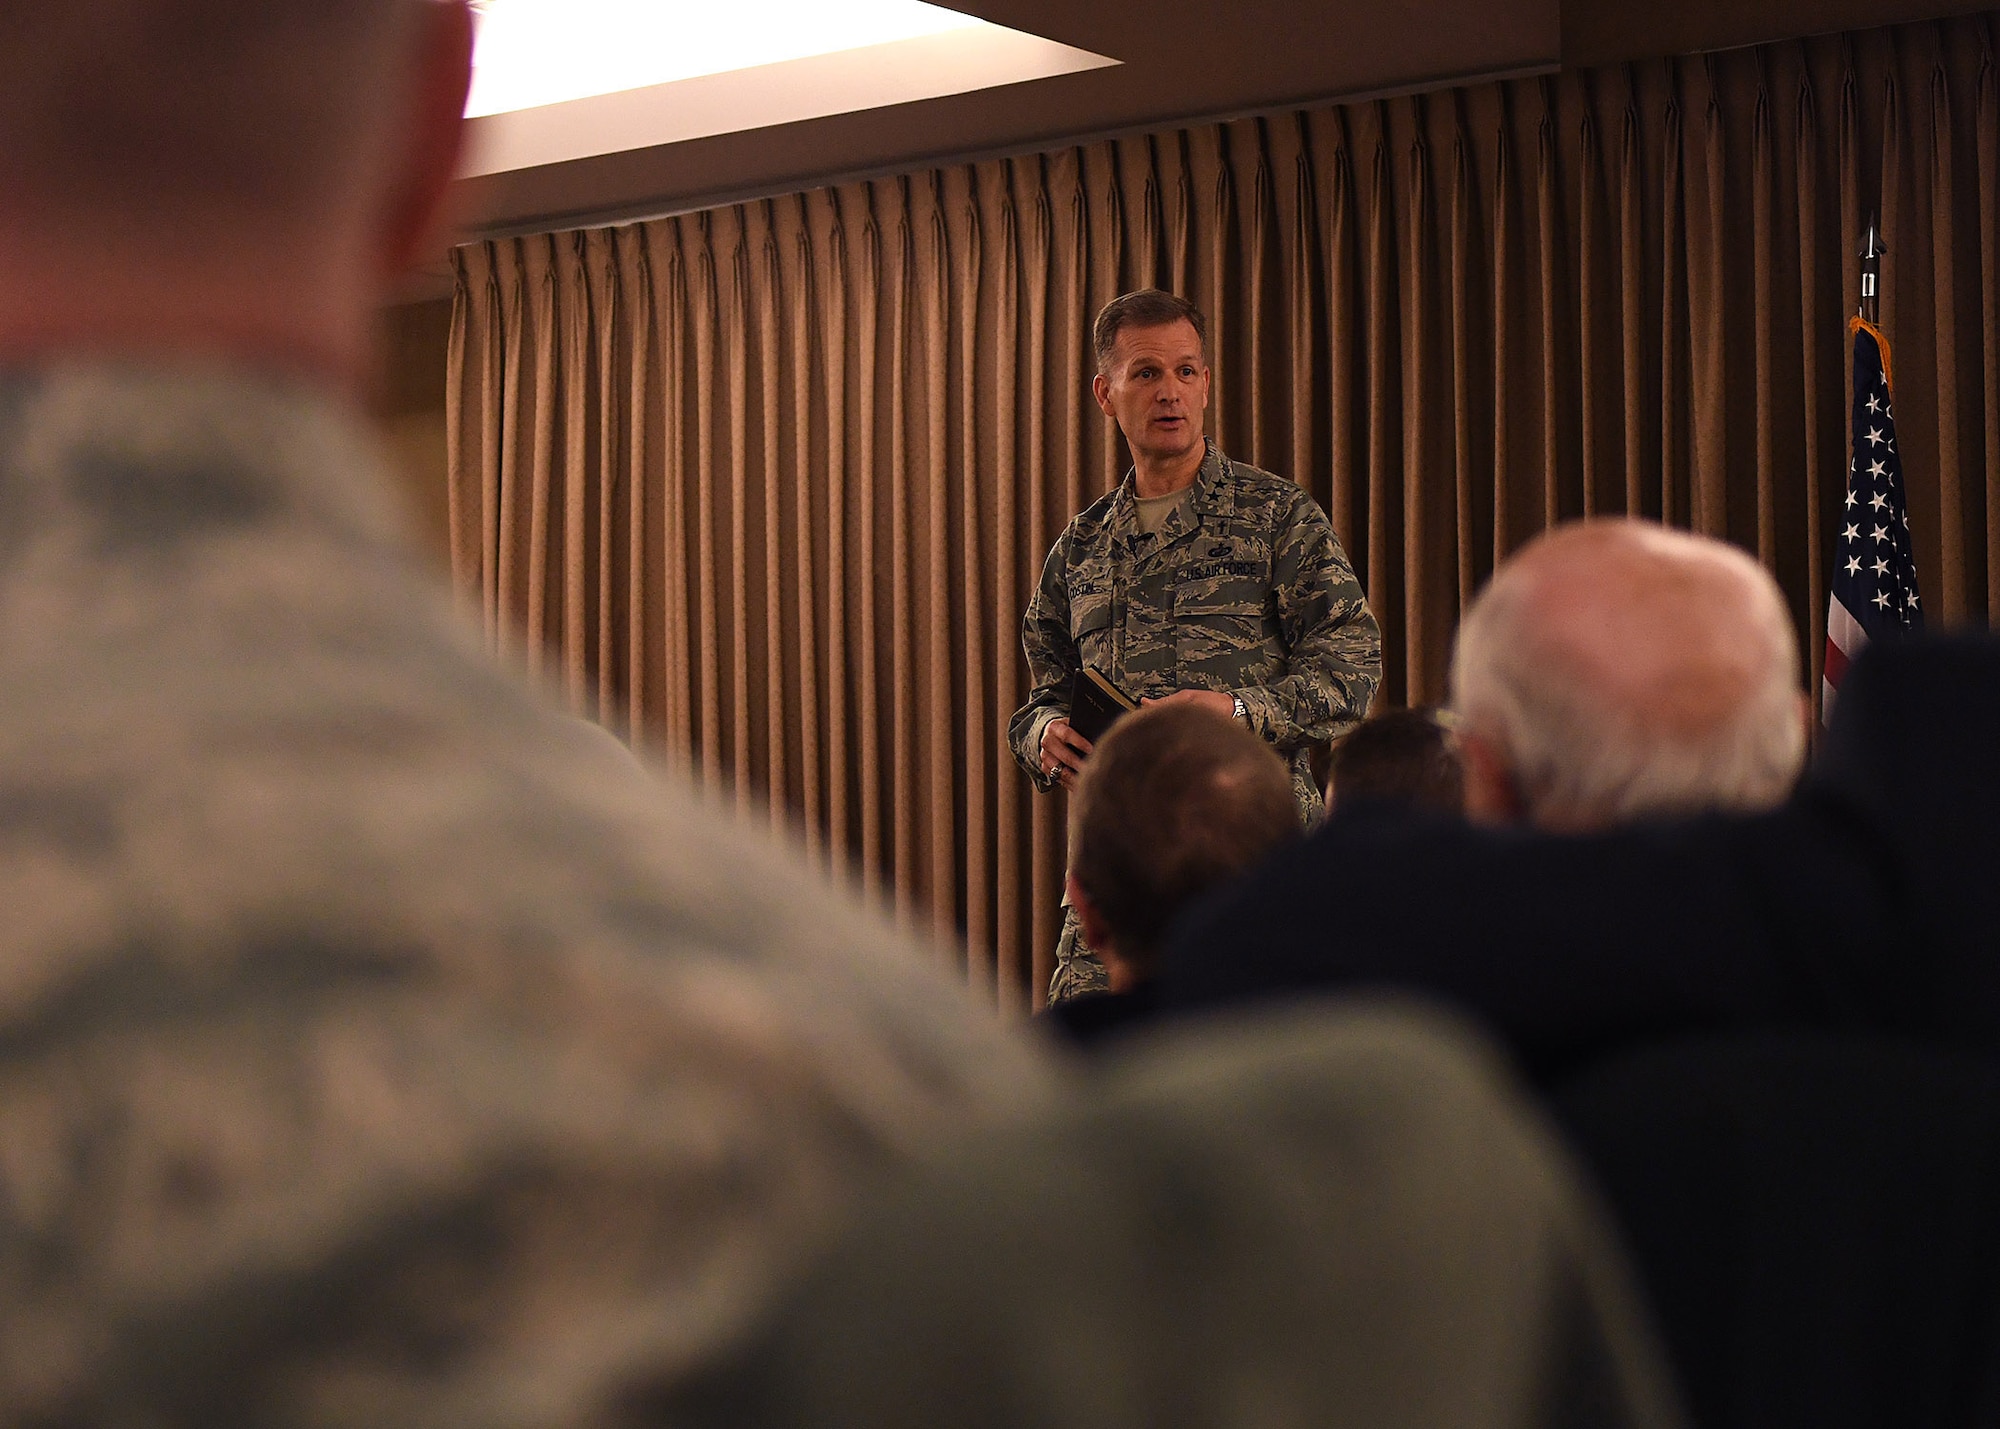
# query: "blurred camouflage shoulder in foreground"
{"type": "Point", "coordinates": [371, 1051]}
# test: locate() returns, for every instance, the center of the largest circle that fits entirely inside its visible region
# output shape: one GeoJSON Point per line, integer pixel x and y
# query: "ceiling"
{"type": "Point", "coordinates": [1183, 60]}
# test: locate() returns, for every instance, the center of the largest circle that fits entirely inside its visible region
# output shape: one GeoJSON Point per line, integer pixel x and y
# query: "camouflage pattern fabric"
{"type": "Point", "coordinates": [374, 1051]}
{"type": "Point", "coordinates": [1253, 596]}
{"type": "Point", "coordinates": [1078, 968]}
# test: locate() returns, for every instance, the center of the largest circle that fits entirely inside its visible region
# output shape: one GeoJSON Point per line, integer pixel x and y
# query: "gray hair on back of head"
{"type": "Point", "coordinates": [1583, 759]}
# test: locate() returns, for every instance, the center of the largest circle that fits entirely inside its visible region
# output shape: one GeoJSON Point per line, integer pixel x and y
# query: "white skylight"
{"type": "Point", "coordinates": [536, 52]}
{"type": "Point", "coordinates": [557, 80]}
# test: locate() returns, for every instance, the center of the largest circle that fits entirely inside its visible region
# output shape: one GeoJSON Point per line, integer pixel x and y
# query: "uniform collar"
{"type": "Point", "coordinates": [1207, 481]}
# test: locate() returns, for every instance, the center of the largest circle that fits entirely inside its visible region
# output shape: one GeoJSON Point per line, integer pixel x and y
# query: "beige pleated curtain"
{"type": "Point", "coordinates": [767, 487]}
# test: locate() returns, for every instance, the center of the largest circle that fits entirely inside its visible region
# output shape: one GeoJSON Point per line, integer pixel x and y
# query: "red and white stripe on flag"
{"type": "Point", "coordinates": [1844, 641]}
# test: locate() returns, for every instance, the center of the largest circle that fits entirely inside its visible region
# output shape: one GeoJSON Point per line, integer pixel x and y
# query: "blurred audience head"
{"type": "Point", "coordinates": [1404, 758]}
{"type": "Point", "coordinates": [1616, 669]}
{"type": "Point", "coordinates": [1173, 801]}
{"type": "Point", "coordinates": [1339, 1214]}
{"type": "Point", "coordinates": [221, 174]}
{"type": "Point", "coordinates": [579, 734]}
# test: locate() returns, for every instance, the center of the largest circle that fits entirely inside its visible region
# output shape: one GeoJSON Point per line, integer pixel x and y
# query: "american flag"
{"type": "Point", "coordinates": [1874, 589]}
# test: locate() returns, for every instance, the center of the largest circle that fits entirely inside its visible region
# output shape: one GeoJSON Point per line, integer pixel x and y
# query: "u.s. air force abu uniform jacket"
{"type": "Point", "coordinates": [1246, 590]}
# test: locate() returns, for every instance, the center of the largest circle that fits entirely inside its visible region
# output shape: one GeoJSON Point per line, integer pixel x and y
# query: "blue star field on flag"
{"type": "Point", "coordinates": [1874, 586]}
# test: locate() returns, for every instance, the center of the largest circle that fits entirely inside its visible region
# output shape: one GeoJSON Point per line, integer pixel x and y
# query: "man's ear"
{"type": "Point", "coordinates": [430, 140]}
{"type": "Point", "coordinates": [1087, 916]}
{"type": "Point", "coordinates": [1100, 388]}
{"type": "Point", "coordinates": [1492, 796]}
{"type": "Point", "coordinates": [1122, 975]}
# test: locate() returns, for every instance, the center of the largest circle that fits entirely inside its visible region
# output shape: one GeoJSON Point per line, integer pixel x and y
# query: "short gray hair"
{"type": "Point", "coordinates": [1149, 307]}
{"type": "Point", "coordinates": [1582, 756]}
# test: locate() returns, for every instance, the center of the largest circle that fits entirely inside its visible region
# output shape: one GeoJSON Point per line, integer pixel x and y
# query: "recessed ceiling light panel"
{"type": "Point", "coordinates": [536, 52]}
{"type": "Point", "coordinates": [557, 80]}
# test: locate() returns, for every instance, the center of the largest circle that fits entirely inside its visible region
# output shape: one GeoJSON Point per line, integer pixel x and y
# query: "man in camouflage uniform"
{"type": "Point", "coordinates": [1199, 580]}
{"type": "Point", "coordinates": [373, 1051]}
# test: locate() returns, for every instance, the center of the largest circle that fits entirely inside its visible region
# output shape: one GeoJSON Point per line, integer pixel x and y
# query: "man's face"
{"type": "Point", "coordinates": [1156, 388]}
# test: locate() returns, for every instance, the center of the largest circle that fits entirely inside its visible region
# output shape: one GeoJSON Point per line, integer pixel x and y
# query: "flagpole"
{"type": "Point", "coordinates": [1872, 593]}
{"type": "Point", "coordinates": [1871, 273]}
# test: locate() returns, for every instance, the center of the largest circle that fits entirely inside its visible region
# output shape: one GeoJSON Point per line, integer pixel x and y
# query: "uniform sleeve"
{"type": "Point", "coordinates": [1052, 664]}
{"type": "Point", "coordinates": [1333, 645]}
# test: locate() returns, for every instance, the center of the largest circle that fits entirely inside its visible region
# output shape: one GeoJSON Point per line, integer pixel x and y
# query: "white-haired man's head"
{"type": "Point", "coordinates": [1614, 669]}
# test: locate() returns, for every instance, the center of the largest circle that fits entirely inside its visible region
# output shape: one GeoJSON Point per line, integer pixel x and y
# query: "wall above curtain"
{"type": "Point", "coordinates": [1188, 62]}
{"type": "Point", "coordinates": [768, 485]}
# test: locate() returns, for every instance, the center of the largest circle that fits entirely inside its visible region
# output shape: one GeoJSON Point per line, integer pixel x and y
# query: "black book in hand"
{"type": "Point", "coordinates": [1095, 704]}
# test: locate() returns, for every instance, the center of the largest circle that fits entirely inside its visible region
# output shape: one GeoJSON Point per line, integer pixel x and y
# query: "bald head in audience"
{"type": "Point", "coordinates": [1616, 669]}
{"type": "Point", "coordinates": [220, 174]}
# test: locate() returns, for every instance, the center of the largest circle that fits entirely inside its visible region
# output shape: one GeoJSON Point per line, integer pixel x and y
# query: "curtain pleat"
{"type": "Point", "coordinates": [1815, 414]}
{"type": "Point", "coordinates": [765, 488]}
{"type": "Point", "coordinates": [1986, 179]}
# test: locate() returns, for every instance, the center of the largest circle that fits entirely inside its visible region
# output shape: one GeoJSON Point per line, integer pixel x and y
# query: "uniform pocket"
{"type": "Point", "coordinates": [1090, 628]}
{"type": "Point", "coordinates": [1220, 633]}
{"type": "Point", "coordinates": [1222, 609]}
